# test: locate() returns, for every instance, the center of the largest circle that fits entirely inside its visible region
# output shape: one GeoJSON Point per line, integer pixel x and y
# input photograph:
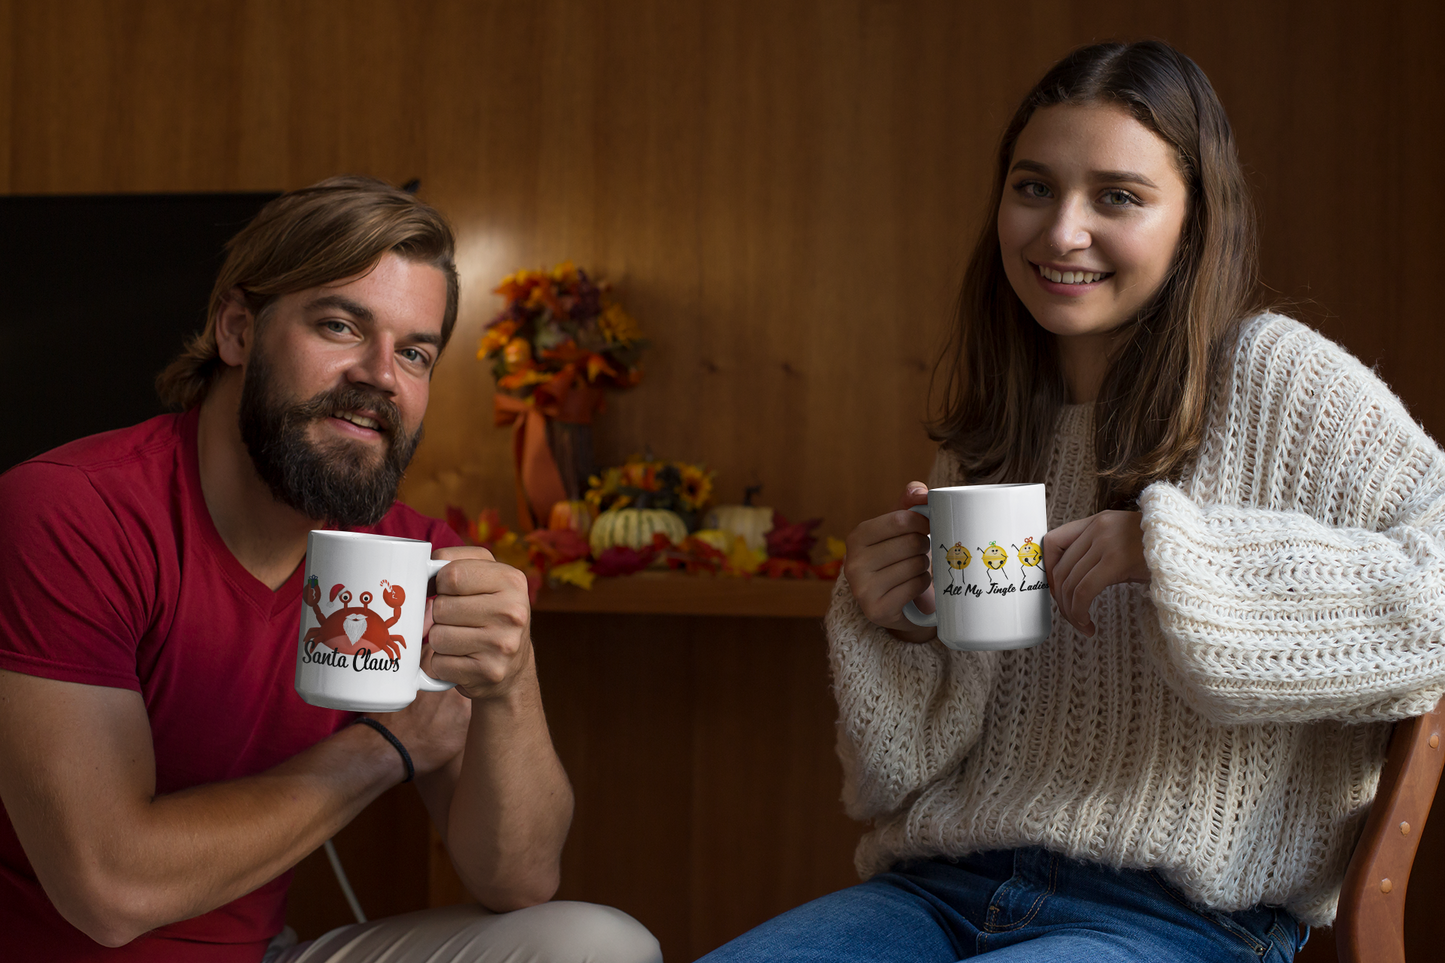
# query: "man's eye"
{"type": "Point", "coordinates": [414, 355]}
{"type": "Point", "coordinates": [337, 327]}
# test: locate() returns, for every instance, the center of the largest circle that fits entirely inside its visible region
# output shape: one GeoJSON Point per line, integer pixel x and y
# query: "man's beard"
{"type": "Point", "coordinates": [343, 484]}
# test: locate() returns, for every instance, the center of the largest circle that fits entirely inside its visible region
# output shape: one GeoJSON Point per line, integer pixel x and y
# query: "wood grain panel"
{"type": "Point", "coordinates": [784, 191]}
{"type": "Point", "coordinates": [700, 751]}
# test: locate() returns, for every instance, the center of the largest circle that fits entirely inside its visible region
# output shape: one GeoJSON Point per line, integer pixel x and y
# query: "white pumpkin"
{"type": "Point", "coordinates": [634, 528]}
{"type": "Point", "coordinates": [752, 522]}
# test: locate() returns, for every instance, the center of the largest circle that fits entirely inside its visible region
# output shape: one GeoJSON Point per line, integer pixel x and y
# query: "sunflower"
{"type": "Point", "coordinates": [618, 326]}
{"type": "Point", "coordinates": [696, 488]}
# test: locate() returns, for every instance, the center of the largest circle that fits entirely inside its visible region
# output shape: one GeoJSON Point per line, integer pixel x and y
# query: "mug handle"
{"type": "Point", "coordinates": [910, 611]}
{"type": "Point", "coordinates": [424, 682]}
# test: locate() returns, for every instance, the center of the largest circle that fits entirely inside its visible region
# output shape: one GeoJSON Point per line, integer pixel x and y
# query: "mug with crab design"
{"type": "Point", "coordinates": [363, 608]}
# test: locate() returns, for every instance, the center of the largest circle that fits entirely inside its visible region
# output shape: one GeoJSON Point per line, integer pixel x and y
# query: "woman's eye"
{"type": "Point", "coordinates": [1033, 190]}
{"type": "Point", "coordinates": [1119, 198]}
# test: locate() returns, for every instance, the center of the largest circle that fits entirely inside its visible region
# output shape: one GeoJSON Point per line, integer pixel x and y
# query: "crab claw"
{"type": "Point", "coordinates": [394, 595]}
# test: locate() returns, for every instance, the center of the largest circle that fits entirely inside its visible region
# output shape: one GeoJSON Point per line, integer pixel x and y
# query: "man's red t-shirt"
{"type": "Point", "coordinates": [113, 574]}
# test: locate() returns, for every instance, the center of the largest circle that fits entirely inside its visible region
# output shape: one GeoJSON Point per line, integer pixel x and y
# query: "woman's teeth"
{"type": "Point", "coordinates": [1071, 277]}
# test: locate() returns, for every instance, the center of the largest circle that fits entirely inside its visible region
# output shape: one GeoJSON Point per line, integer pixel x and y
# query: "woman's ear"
{"type": "Point", "coordinates": [235, 329]}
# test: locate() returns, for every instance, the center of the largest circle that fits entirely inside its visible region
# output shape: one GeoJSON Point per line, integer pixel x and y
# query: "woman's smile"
{"type": "Point", "coordinates": [1070, 281]}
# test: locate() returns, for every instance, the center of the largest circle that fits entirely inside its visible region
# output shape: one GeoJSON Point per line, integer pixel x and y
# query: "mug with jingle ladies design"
{"type": "Point", "coordinates": [989, 588]}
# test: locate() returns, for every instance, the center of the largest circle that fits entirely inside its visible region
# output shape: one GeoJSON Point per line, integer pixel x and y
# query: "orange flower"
{"type": "Point", "coordinates": [517, 287]}
{"type": "Point", "coordinates": [529, 375]}
{"type": "Point", "coordinates": [640, 474]}
{"type": "Point", "coordinates": [565, 353]}
{"type": "Point", "coordinates": [597, 365]}
{"type": "Point", "coordinates": [496, 337]}
{"type": "Point", "coordinates": [517, 354]}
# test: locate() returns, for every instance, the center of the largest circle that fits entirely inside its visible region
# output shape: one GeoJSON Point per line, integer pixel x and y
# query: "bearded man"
{"type": "Point", "coordinates": [159, 774]}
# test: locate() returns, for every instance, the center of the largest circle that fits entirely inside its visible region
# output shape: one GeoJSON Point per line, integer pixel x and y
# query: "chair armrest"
{"type": "Point", "coordinates": [1370, 924]}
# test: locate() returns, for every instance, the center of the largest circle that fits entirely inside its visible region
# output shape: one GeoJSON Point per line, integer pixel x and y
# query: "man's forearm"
{"type": "Point", "coordinates": [180, 855]}
{"type": "Point", "coordinates": [512, 804]}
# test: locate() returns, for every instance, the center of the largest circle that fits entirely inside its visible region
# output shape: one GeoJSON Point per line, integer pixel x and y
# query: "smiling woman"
{"type": "Point", "coordinates": [1176, 772]}
{"type": "Point", "coordinates": [1122, 166]}
{"type": "Point", "coordinates": [1088, 228]}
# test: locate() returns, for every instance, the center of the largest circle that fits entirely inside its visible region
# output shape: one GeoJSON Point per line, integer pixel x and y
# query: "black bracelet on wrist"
{"type": "Point", "coordinates": [386, 734]}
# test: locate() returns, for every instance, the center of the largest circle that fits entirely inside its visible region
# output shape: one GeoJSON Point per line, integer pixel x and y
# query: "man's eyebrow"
{"type": "Point", "coordinates": [362, 313]}
{"type": "Point", "coordinates": [339, 302]}
{"type": "Point", "coordinates": [1131, 177]}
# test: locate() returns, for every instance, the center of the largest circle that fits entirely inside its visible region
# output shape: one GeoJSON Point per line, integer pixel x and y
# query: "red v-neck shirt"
{"type": "Point", "coordinates": [112, 574]}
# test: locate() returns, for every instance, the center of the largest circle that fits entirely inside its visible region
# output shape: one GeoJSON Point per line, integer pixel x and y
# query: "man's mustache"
{"type": "Point", "coordinates": [353, 398]}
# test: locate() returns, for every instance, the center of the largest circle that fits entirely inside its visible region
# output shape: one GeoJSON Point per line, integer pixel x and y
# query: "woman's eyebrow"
{"type": "Point", "coordinates": [1132, 177]}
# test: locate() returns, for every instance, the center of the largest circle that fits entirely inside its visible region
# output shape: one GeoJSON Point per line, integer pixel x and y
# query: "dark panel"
{"type": "Point", "coordinates": [101, 291]}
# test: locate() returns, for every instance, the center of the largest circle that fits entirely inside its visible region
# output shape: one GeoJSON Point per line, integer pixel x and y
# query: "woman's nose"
{"type": "Point", "coordinates": [1069, 229]}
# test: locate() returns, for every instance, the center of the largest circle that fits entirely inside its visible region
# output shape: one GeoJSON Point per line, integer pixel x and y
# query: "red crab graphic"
{"type": "Point", "coordinates": [352, 628]}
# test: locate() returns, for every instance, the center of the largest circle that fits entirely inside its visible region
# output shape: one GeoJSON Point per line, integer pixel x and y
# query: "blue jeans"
{"type": "Point", "coordinates": [1018, 906]}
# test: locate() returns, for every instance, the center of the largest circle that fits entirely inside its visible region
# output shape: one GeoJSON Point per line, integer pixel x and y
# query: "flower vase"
{"type": "Point", "coordinates": [571, 445]}
{"type": "Point", "coordinates": [569, 434]}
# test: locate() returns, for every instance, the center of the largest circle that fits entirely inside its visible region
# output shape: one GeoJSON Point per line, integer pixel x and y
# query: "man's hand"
{"type": "Point", "coordinates": [504, 804]}
{"type": "Point", "coordinates": [887, 566]}
{"type": "Point", "coordinates": [433, 729]}
{"type": "Point", "coordinates": [1086, 556]}
{"type": "Point", "coordinates": [479, 623]}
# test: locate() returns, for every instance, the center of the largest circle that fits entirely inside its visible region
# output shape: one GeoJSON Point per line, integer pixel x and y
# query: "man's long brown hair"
{"type": "Point", "coordinates": [318, 235]}
{"type": "Point", "coordinates": [1003, 387]}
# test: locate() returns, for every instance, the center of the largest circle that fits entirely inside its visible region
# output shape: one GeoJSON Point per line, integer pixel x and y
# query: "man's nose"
{"type": "Point", "coordinates": [1069, 230]}
{"type": "Point", "coordinates": [375, 365]}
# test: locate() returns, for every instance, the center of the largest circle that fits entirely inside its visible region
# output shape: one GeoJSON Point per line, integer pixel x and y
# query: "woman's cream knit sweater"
{"type": "Point", "coordinates": [1227, 723]}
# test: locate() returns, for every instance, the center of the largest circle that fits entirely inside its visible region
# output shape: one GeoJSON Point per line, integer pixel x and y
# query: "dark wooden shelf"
{"type": "Point", "coordinates": [673, 593]}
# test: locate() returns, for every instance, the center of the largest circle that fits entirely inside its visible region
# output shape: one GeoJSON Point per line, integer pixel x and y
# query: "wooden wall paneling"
{"type": "Point", "coordinates": [620, 704]}
{"type": "Point", "coordinates": [700, 752]}
{"type": "Point", "coordinates": [7, 87]}
{"type": "Point", "coordinates": [771, 183]}
{"type": "Point", "coordinates": [769, 828]}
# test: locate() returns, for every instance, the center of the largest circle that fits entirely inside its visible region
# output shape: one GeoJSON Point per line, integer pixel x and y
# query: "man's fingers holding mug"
{"type": "Point", "coordinates": [476, 659]}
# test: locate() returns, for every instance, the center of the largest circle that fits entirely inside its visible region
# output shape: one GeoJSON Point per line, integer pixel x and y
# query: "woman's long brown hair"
{"type": "Point", "coordinates": [1003, 386]}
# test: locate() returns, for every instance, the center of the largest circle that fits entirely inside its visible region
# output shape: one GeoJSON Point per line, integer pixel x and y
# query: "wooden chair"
{"type": "Point", "coordinates": [1370, 924]}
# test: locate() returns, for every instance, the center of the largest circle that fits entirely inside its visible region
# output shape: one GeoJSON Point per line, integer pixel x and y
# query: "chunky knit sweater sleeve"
{"type": "Point", "coordinates": [907, 713]}
{"type": "Point", "coordinates": [1299, 573]}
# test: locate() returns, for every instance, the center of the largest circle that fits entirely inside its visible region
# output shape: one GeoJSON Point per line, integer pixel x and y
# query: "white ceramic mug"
{"type": "Point", "coordinates": [989, 588]}
{"type": "Point", "coordinates": [362, 612]}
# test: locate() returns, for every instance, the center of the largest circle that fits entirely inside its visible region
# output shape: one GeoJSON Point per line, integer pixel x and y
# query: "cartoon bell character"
{"type": "Point", "coordinates": [1029, 555]}
{"type": "Point", "coordinates": [957, 558]}
{"type": "Point", "coordinates": [993, 559]}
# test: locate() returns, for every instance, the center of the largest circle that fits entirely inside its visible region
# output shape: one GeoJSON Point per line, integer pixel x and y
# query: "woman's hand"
{"type": "Point", "coordinates": [1086, 556]}
{"type": "Point", "coordinates": [887, 566]}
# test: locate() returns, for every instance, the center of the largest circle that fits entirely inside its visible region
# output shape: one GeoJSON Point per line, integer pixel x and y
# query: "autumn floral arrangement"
{"type": "Point", "coordinates": [650, 513]}
{"type": "Point", "coordinates": [560, 326]}
{"type": "Point", "coordinates": [559, 341]}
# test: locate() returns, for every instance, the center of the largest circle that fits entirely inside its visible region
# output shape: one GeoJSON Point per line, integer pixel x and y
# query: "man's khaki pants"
{"type": "Point", "coordinates": [559, 932]}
